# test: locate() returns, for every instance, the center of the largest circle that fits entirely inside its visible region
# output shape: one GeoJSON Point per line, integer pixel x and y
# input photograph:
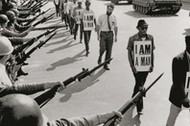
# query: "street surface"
{"type": "Point", "coordinates": [104, 91]}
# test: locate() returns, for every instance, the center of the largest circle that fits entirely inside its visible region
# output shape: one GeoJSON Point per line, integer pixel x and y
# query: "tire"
{"type": "Point", "coordinates": [115, 1]}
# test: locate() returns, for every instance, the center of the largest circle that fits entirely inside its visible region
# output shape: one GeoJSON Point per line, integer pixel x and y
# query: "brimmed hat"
{"type": "Point", "coordinates": [141, 23]}
{"type": "Point", "coordinates": [110, 5]}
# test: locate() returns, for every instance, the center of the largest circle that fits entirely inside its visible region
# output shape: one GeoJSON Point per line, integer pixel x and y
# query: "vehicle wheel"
{"type": "Point", "coordinates": [115, 1]}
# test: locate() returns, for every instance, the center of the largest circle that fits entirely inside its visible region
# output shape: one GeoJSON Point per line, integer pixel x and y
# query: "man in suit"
{"type": "Point", "coordinates": [178, 97]}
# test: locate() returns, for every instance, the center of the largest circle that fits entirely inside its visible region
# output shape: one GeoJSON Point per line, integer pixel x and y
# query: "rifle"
{"type": "Point", "coordinates": [131, 102]}
{"type": "Point", "coordinates": [48, 95]}
{"type": "Point", "coordinates": [19, 64]}
{"type": "Point", "coordinates": [36, 47]}
{"type": "Point", "coordinates": [38, 6]}
{"type": "Point", "coordinates": [44, 19]}
{"type": "Point", "coordinates": [30, 42]}
{"type": "Point", "coordinates": [94, 69]}
{"type": "Point", "coordinates": [29, 22]}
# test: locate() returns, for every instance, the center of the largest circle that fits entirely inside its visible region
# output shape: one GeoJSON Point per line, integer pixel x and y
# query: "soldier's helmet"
{"type": "Point", "coordinates": [3, 18]}
{"type": "Point", "coordinates": [6, 47]}
{"type": "Point", "coordinates": [20, 110]}
{"type": "Point", "coordinates": [11, 15]}
{"type": "Point", "coordinates": [15, 11]}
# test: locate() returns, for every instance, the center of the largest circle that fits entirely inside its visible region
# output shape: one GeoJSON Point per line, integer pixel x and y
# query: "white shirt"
{"type": "Point", "coordinates": [103, 23]}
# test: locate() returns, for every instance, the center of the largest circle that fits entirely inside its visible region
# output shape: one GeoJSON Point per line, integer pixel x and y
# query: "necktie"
{"type": "Point", "coordinates": [109, 26]}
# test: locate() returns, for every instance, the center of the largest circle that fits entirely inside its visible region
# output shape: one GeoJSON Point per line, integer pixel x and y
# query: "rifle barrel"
{"type": "Point", "coordinates": [94, 69]}
{"type": "Point", "coordinates": [129, 103]}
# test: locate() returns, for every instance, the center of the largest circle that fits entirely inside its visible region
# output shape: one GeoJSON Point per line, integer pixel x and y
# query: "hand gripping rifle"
{"type": "Point", "coordinates": [21, 61]}
{"type": "Point", "coordinates": [29, 22]}
{"type": "Point", "coordinates": [44, 20]}
{"type": "Point", "coordinates": [23, 47]}
{"type": "Point", "coordinates": [48, 95]}
{"type": "Point", "coordinates": [131, 102]}
{"type": "Point", "coordinates": [94, 69]}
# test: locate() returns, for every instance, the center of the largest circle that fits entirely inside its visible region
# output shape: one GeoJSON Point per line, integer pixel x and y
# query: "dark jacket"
{"type": "Point", "coordinates": [180, 67]}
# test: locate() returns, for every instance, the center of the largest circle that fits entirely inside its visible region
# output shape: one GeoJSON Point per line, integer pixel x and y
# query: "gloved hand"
{"type": "Point", "coordinates": [186, 103]}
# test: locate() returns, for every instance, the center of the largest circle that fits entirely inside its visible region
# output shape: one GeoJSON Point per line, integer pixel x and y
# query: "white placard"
{"type": "Point", "coordinates": [78, 16]}
{"type": "Point", "coordinates": [187, 87]}
{"type": "Point", "coordinates": [88, 22]}
{"type": "Point", "coordinates": [142, 55]}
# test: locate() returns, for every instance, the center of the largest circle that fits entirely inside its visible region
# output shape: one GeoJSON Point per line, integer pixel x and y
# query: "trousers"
{"type": "Point", "coordinates": [140, 79]}
{"type": "Point", "coordinates": [87, 35]}
{"type": "Point", "coordinates": [106, 43]}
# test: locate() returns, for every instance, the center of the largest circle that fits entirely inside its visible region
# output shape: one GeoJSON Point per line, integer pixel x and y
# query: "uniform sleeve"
{"type": "Point", "coordinates": [77, 121]}
{"type": "Point", "coordinates": [24, 88]}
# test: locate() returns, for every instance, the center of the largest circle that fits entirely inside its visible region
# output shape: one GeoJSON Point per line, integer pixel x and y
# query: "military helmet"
{"type": "Point", "coordinates": [6, 47]}
{"type": "Point", "coordinates": [16, 12]}
{"type": "Point", "coordinates": [3, 18]}
{"type": "Point", "coordinates": [11, 15]}
{"type": "Point", "coordinates": [20, 110]}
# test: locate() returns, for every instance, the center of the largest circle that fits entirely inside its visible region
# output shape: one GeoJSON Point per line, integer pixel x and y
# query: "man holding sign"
{"type": "Point", "coordinates": [179, 93]}
{"type": "Point", "coordinates": [141, 58]}
{"type": "Point", "coordinates": [89, 23]}
{"type": "Point", "coordinates": [77, 14]}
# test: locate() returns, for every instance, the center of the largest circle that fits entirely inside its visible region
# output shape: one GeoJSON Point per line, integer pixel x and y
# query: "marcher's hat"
{"type": "Point", "coordinates": [6, 47]}
{"type": "Point", "coordinates": [142, 23]}
{"type": "Point", "coordinates": [3, 18]}
{"type": "Point", "coordinates": [110, 5]}
{"type": "Point", "coordinates": [87, 2]}
{"type": "Point", "coordinates": [20, 110]}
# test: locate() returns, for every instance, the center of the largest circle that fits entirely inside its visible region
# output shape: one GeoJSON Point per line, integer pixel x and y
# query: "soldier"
{"type": "Point", "coordinates": [14, 40]}
{"type": "Point", "coordinates": [14, 26]}
{"type": "Point", "coordinates": [21, 110]}
{"type": "Point", "coordinates": [77, 14]}
{"type": "Point", "coordinates": [6, 86]}
{"type": "Point", "coordinates": [89, 22]}
{"type": "Point", "coordinates": [141, 38]}
{"type": "Point", "coordinates": [9, 31]}
{"type": "Point", "coordinates": [106, 29]}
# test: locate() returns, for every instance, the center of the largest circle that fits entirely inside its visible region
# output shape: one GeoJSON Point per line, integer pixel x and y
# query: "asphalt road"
{"type": "Point", "coordinates": [104, 91]}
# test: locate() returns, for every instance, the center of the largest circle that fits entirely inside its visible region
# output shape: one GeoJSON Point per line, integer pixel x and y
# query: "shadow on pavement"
{"type": "Point", "coordinates": [66, 61]}
{"type": "Point", "coordinates": [68, 45]}
{"type": "Point", "coordinates": [80, 86]}
{"type": "Point", "coordinates": [129, 120]}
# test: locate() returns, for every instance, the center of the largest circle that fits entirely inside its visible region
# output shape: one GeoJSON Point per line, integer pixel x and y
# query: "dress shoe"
{"type": "Point", "coordinates": [140, 112]}
{"type": "Point", "coordinates": [106, 67]}
{"type": "Point", "coordinates": [25, 63]}
{"type": "Point", "coordinates": [87, 53]}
